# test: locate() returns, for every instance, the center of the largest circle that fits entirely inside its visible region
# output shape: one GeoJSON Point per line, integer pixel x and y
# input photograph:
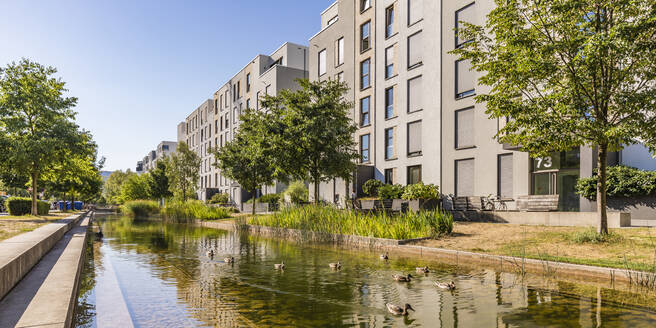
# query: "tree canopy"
{"type": "Point", "coordinates": [182, 170]}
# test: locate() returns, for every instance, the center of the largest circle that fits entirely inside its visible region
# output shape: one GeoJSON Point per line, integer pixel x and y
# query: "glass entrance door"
{"type": "Point", "coordinates": [545, 183]}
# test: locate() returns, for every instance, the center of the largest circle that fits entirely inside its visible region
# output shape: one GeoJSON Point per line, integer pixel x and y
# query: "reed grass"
{"type": "Point", "coordinates": [140, 208]}
{"type": "Point", "coordinates": [330, 219]}
{"type": "Point", "coordinates": [193, 209]}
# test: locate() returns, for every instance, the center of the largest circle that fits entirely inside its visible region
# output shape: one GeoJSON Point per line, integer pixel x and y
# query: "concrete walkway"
{"type": "Point", "coordinates": [46, 296]}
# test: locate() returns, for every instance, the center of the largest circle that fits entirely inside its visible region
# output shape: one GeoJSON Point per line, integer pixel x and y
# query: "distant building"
{"type": "Point", "coordinates": [165, 148]}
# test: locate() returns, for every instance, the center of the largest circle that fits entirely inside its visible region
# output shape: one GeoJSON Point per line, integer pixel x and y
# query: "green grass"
{"type": "Point", "coordinates": [380, 225]}
{"type": "Point", "coordinates": [193, 209]}
{"type": "Point", "coordinates": [140, 208]}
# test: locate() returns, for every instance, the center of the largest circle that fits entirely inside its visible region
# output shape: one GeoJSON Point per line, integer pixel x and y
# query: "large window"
{"type": "Point", "coordinates": [505, 176]}
{"type": "Point", "coordinates": [389, 62]}
{"type": "Point", "coordinates": [389, 21]}
{"type": "Point", "coordinates": [415, 50]}
{"type": "Point", "coordinates": [415, 101]}
{"type": "Point", "coordinates": [389, 102]}
{"type": "Point", "coordinates": [465, 14]}
{"type": "Point", "coordinates": [340, 51]}
{"type": "Point", "coordinates": [365, 111]}
{"type": "Point", "coordinates": [464, 177]}
{"type": "Point", "coordinates": [322, 62]}
{"type": "Point", "coordinates": [465, 80]}
{"type": "Point", "coordinates": [364, 148]}
{"type": "Point", "coordinates": [415, 9]}
{"type": "Point", "coordinates": [414, 174]}
{"type": "Point", "coordinates": [389, 143]}
{"type": "Point", "coordinates": [414, 138]}
{"type": "Point", "coordinates": [389, 176]}
{"type": "Point", "coordinates": [365, 36]}
{"type": "Point", "coordinates": [248, 82]}
{"type": "Point", "coordinates": [365, 81]}
{"type": "Point", "coordinates": [465, 128]}
{"type": "Point", "coordinates": [365, 4]}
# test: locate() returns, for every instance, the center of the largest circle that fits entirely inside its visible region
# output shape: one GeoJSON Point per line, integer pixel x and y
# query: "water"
{"type": "Point", "coordinates": [159, 275]}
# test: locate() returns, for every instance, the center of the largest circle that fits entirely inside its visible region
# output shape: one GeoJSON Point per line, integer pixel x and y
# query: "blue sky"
{"type": "Point", "coordinates": [139, 67]}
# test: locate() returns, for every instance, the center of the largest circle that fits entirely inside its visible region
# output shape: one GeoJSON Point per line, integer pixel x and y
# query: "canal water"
{"type": "Point", "coordinates": [150, 274]}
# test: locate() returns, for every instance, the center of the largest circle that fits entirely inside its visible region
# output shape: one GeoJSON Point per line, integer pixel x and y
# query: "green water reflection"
{"type": "Point", "coordinates": [166, 279]}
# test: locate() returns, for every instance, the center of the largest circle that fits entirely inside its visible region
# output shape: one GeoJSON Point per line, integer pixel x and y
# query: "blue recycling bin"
{"type": "Point", "coordinates": [77, 205]}
{"type": "Point", "coordinates": [61, 205]}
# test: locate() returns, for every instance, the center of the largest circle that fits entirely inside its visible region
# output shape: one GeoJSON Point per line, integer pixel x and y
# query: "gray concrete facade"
{"type": "Point", "coordinates": [164, 148]}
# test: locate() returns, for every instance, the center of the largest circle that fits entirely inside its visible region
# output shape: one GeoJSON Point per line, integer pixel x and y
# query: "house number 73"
{"type": "Point", "coordinates": [544, 162]}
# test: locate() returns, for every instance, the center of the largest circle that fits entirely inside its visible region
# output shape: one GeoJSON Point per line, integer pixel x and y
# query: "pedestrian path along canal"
{"type": "Point", "coordinates": [145, 273]}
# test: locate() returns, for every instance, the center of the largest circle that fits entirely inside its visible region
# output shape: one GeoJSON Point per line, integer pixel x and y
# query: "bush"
{"type": "Point", "coordinates": [269, 198]}
{"type": "Point", "coordinates": [193, 209]}
{"type": "Point", "coordinates": [220, 198]}
{"type": "Point", "coordinates": [389, 191]}
{"type": "Point", "coordinates": [140, 208]}
{"type": "Point", "coordinates": [621, 181]}
{"type": "Point", "coordinates": [421, 191]}
{"type": "Point", "coordinates": [590, 236]}
{"type": "Point", "coordinates": [370, 188]}
{"type": "Point", "coordinates": [22, 206]}
{"type": "Point", "coordinates": [297, 192]}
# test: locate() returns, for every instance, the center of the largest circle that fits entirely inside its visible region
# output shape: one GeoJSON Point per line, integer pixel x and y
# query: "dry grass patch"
{"type": "Point", "coordinates": [14, 225]}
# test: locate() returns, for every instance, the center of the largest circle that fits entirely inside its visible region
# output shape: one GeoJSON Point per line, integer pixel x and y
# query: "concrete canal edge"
{"type": "Point", "coordinates": [448, 256]}
{"type": "Point", "coordinates": [47, 294]}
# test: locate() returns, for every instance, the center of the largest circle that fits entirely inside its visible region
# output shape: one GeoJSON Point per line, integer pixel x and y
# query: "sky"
{"type": "Point", "coordinates": [139, 67]}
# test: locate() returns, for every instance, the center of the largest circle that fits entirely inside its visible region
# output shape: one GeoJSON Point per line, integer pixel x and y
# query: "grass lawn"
{"type": "Point", "coordinates": [633, 246]}
{"type": "Point", "coordinates": [14, 225]}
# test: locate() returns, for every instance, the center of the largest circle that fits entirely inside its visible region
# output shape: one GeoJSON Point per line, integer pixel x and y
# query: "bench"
{"type": "Point", "coordinates": [538, 203]}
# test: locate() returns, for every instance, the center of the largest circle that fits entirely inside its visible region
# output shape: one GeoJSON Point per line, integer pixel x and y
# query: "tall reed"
{"type": "Point", "coordinates": [140, 208]}
{"type": "Point", "coordinates": [193, 209]}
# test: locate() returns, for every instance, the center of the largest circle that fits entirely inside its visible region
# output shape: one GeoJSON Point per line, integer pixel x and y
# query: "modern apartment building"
{"type": "Point", "coordinates": [216, 121]}
{"type": "Point", "coordinates": [415, 109]}
{"type": "Point", "coordinates": [163, 149]}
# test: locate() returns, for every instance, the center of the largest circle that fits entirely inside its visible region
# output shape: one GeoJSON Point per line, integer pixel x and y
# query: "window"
{"type": "Point", "coordinates": [234, 115]}
{"type": "Point", "coordinates": [277, 62]}
{"type": "Point", "coordinates": [389, 21]}
{"type": "Point", "coordinates": [464, 177]}
{"type": "Point", "coordinates": [465, 128]}
{"type": "Point", "coordinates": [332, 20]}
{"type": "Point", "coordinates": [465, 14]}
{"type": "Point", "coordinates": [248, 103]}
{"type": "Point", "coordinates": [389, 176]}
{"type": "Point", "coordinates": [165, 147]}
{"type": "Point", "coordinates": [365, 4]}
{"type": "Point", "coordinates": [365, 111]}
{"type": "Point", "coordinates": [389, 62]}
{"type": "Point", "coordinates": [216, 106]}
{"type": "Point", "coordinates": [364, 74]}
{"type": "Point", "coordinates": [415, 50]}
{"type": "Point", "coordinates": [365, 31]}
{"type": "Point", "coordinates": [248, 82]}
{"type": "Point", "coordinates": [238, 89]}
{"type": "Point", "coordinates": [221, 102]}
{"type": "Point", "coordinates": [266, 89]}
{"type": "Point", "coordinates": [414, 138]}
{"type": "Point", "coordinates": [340, 77]}
{"type": "Point", "coordinates": [505, 176]}
{"type": "Point", "coordinates": [322, 62]}
{"type": "Point", "coordinates": [227, 98]}
{"type": "Point", "coordinates": [415, 9]}
{"type": "Point", "coordinates": [465, 81]}
{"type": "Point", "coordinates": [415, 101]}
{"type": "Point", "coordinates": [414, 174]}
{"type": "Point", "coordinates": [257, 100]}
{"type": "Point", "coordinates": [389, 102]}
{"type": "Point", "coordinates": [389, 143]}
{"type": "Point", "coordinates": [340, 52]}
{"type": "Point", "coordinates": [364, 148]}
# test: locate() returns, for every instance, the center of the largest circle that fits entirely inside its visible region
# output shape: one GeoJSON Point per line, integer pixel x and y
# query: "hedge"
{"type": "Point", "coordinates": [22, 206]}
{"type": "Point", "coordinates": [621, 181]}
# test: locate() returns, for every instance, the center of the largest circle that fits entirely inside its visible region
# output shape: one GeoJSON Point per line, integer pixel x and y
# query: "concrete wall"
{"type": "Point", "coordinates": [566, 219]}
{"type": "Point", "coordinates": [637, 156]}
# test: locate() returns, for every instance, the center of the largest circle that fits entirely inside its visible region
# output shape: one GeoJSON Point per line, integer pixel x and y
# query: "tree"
{"type": "Point", "coordinates": [36, 120]}
{"type": "Point", "coordinates": [312, 132]}
{"type": "Point", "coordinates": [569, 73]}
{"type": "Point", "coordinates": [158, 182]}
{"type": "Point", "coordinates": [182, 170]}
{"type": "Point", "coordinates": [111, 190]}
{"type": "Point", "coordinates": [136, 187]}
{"type": "Point", "coordinates": [249, 157]}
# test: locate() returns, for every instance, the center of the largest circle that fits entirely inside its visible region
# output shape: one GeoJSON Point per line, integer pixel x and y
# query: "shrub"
{"type": "Point", "coordinates": [140, 208]}
{"type": "Point", "coordinates": [297, 192]}
{"type": "Point", "coordinates": [421, 191]}
{"type": "Point", "coordinates": [22, 206]}
{"type": "Point", "coordinates": [220, 198]}
{"type": "Point", "coordinates": [590, 236]}
{"type": "Point", "coordinates": [621, 181]}
{"type": "Point", "coordinates": [193, 209]}
{"type": "Point", "coordinates": [370, 188]}
{"type": "Point", "coordinates": [390, 191]}
{"type": "Point", "coordinates": [269, 198]}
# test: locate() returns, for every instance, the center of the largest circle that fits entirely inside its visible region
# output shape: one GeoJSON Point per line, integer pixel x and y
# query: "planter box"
{"type": "Point", "coordinates": [422, 204]}
{"type": "Point", "coordinates": [259, 208]}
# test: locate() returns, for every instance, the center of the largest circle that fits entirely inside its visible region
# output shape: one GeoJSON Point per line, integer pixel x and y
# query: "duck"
{"type": "Point", "coordinates": [446, 285]}
{"type": "Point", "coordinates": [279, 266]}
{"type": "Point", "coordinates": [423, 270]}
{"type": "Point", "coordinates": [384, 256]}
{"type": "Point", "coordinates": [335, 265]}
{"type": "Point", "coordinates": [401, 278]}
{"type": "Point", "coordinates": [397, 310]}
{"type": "Point", "coordinates": [210, 253]}
{"type": "Point", "coordinates": [99, 234]}
{"type": "Point", "coordinates": [229, 259]}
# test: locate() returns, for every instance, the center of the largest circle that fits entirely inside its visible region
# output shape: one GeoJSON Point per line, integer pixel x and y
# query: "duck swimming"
{"type": "Point", "coordinates": [384, 256]}
{"type": "Point", "coordinates": [335, 265]}
{"type": "Point", "coordinates": [448, 285]}
{"type": "Point", "coordinates": [279, 266]}
{"type": "Point", "coordinates": [401, 278]}
{"type": "Point", "coordinates": [423, 270]}
{"type": "Point", "coordinates": [397, 310]}
{"type": "Point", "coordinates": [229, 259]}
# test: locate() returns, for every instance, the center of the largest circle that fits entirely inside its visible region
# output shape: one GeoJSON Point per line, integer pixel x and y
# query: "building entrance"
{"type": "Point", "coordinates": [557, 174]}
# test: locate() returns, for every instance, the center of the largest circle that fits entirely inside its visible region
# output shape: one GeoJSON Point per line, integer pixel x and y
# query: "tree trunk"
{"type": "Point", "coordinates": [316, 190]}
{"type": "Point", "coordinates": [35, 176]}
{"type": "Point", "coordinates": [253, 194]}
{"type": "Point", "coordinates": [602, 228]}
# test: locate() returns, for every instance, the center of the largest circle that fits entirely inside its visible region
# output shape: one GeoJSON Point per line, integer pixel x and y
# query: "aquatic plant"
{"type": "Point", "coordinates": [140, 208]}
{"type": "Point", "coordinates": [192, 209]}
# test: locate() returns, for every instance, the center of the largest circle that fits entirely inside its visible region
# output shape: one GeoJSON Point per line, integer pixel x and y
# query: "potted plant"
{"type": "Point", "coordinates": [370, 188]}
{"type": "Point", "coordinates": [390, 195]}
{"type": "Point", "coordinates": [421, 196]}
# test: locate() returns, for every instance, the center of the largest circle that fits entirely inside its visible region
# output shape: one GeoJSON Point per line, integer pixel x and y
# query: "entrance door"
{"type": "Point", "coordinates": [545, 183]}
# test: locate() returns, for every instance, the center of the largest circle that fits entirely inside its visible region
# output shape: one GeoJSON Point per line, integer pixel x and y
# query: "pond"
{"type": "Point", "coordinates": [159, 275]}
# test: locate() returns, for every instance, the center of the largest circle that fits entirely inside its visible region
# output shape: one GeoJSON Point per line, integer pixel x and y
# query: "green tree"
{"type": "Point", "coordinates": [136, 187]}
{"type": "Point", "coordinates": [36, 120]}
{"type": "Point", "coordinates": [312, 133]}
{"type": "Point", "coordinates": [158, 182]}
{"type": "Point", "coordinates": [111, 190]}
{"type": "Point", "coordinates": [182, 169]}
{"type": "Point", "coordinates": [568, 73]}
{"type": "Point", "coordinates": [249, 157]}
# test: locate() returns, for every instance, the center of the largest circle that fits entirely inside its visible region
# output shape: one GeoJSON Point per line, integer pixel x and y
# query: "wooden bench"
{"type": "Point", "coordinates": [538, 203]}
